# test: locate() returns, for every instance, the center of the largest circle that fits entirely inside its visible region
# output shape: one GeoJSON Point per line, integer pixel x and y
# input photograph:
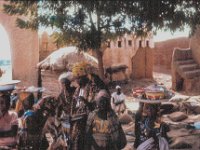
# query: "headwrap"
{"type": "Point", "coordinates": [79, 69]}
{"type": "Point", "coordinates": [117, 87]}
{"type": "Point", "coordinates": [82, 69]}
{"type": "Point", "coordinates": [66, 76]}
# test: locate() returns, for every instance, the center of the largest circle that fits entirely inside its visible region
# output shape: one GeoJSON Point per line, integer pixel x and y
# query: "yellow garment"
{"type": "Point", "coordinates": [100, 126]}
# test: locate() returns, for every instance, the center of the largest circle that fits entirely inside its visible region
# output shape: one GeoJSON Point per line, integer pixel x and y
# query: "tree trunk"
{"type": "Point", "coordinates": [99, 55]}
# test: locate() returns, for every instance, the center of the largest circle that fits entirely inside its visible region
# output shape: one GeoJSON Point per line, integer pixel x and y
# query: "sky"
{"type": "Point", "coordinates": [160, 36]}
{"type": "Point", "coordinates": [166, 35]}
{"type": "Point", "coordinates": [5, 52]}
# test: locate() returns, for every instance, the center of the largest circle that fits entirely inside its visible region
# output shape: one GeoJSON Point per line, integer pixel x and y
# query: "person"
{"type": "Point", "coordinates": [24, 103]}
{"type": "Point", "coordinates": [66, 94]}
{"type": "Point", "coordinates": [103, 129]}
{"type": "Point", "coordinates": [30, 123]}
{"type": "Point", "coordinates": [118, 101]}
{"type": "Point", "coordinates": [8, 122]}
{"type": "Point", "coordinates": [56, 123]}
{"type": "Point", "coordinates": [150, 131]}
{"type": "Point", "coordinates": [89, 84]}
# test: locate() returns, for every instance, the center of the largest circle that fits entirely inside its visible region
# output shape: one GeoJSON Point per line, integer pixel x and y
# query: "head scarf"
{"type": "Point", "coordinates": [117, 87]}
{"type": "Point", "coordinates": [66, 77]}
{"type": "Point", "coordinates": [82, 69]}
{"type": "Point", "coordinates": [79, 69]}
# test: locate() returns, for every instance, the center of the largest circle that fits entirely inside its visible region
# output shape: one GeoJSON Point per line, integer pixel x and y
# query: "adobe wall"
{"type": "Point", "coordinates": [195, 46]}
{"type": "Point", "coordinates": [117, 56]}
{"type": "Point", "coordinates": [24, 50]}
{"type": "Point", "coordinates": [163, 51]}
{"type": "Point", "coordinates": [46, 46]}
{"type": "Point", "coordinates": [126, 55]}
{"type": "Point", "coordinates": [142, 64]}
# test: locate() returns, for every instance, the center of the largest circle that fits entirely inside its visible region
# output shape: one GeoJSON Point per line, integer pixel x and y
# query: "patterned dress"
{"type": "Point", "coordinates": [104, 134]}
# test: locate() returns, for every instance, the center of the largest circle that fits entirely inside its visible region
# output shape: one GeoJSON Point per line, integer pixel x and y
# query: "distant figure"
{"type": "Point", "coordinates": [118, 101]}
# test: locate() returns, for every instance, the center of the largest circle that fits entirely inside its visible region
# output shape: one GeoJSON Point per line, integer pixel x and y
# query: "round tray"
{"type": "Point", "coordinates": [151, 101]}
{"type": "Point", "coordinates": [8, 85]}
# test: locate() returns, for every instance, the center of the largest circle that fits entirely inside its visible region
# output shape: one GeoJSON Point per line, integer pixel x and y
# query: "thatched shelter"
{"type": "Point", "coordinates": [58, 62]}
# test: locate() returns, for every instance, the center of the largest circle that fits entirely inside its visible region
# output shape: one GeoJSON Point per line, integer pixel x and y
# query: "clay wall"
{"type": "Point", "coordinates": [116, 55]}
{"type": "Point", "coordinates": [24, 49]}
{"type": "Point", "coordinates": [163, 51]}
{"type": "Point", "coordinates": [46, 45]}
{"type": "Point", "coordinates": [142, 63]}
{"type": "Point", "coordinates": [195, 46]}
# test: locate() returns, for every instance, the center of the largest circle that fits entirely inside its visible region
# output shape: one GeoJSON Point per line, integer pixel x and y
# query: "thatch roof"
{"type": "Point", "coordinates": [64, 58]}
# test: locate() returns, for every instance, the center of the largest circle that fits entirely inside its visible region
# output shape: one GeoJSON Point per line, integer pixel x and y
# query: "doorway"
{"type": "Point", "coordinates": [5, 55]}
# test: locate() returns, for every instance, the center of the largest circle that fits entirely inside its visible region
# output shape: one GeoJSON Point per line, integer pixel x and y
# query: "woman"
{"type": "Point", "coordinates": [103, 130]}
{"type": "Point", "coordinates": [8, 122]}
{"type": "Point", "coordinates": [150, 132]}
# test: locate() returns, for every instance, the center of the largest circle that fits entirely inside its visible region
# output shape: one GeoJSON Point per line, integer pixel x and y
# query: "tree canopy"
{"type": "Point", "coordinates": [88, 24]}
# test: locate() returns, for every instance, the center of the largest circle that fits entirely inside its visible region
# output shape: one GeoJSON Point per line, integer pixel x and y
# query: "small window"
{"type": "Point", "coordinates": [147, 43]}
{"type": "Point", "coordinates": [129, 42]}
{"type": "Point", "coordinates": [108, 44]}
{"type": "Point", "coordinates": [140, 44]}
{"type": "Point", "coordinates": [119, 43]}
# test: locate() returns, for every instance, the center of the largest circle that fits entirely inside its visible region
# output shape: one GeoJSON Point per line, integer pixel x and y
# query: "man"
{"type": "Point", "coordinates": [103, 129]}
{"type": "Point", "coordinates": [118, 101]}
{"type": "Point", "coordinates": [8, 122]}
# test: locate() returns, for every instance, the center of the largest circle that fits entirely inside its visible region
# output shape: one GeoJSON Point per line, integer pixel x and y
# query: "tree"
{"type": "Point", "coordinates": [88, 24]}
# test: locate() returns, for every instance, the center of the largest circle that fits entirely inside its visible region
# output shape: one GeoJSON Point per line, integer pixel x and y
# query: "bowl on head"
{"type": "Point", "coordinates": [8, 85]}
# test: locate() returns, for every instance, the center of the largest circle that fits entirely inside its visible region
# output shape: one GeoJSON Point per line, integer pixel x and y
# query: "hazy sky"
{"type": "Point", "coordinates": [162, 35]}
{"type": "Point", "coordinates": [5, 45]}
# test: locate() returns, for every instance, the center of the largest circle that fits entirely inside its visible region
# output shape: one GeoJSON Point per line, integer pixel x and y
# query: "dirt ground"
{"type": "Point", "coordinates": [183, 139]}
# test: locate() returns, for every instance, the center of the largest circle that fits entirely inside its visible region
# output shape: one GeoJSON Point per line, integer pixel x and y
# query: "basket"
{"type": "Point", "coordinates": [8, 85]}
{"type": "Point", "coordinates": [154, 95]}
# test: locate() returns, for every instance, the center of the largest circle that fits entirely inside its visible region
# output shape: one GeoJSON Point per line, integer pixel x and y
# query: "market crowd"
{"type": "Point", "coordinates": [84, 116]}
